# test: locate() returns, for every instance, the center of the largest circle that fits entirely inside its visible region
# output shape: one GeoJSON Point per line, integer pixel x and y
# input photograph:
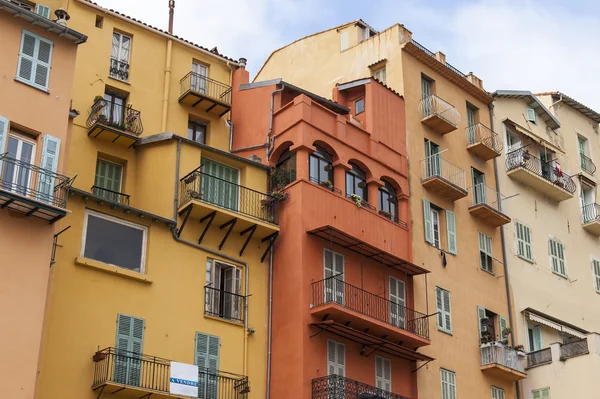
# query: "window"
{"type": "Point", "coordinates": [586, 163]}
{"type": "Point", "coordinates": [114, 109]}
{"type": "Point", "coordinates": [435, 226]}
{"type": "Point", "coordinates": [497, 393]}
{"type": "Point", "coordinates": [388, 202]}
{"type": "Point", "coordinates": [206, 357]}
{"type": "Point", "coordinates": [130, 344]}
{"type": "Point", "coordinates": [356, 183]}
{"type": "Point", "coordinates": [34, 60]}
{"type": "Point", "coordinates": [444, 317]}
{"type": "Point", "coordinates": [479, 187]}
{"type": "Point", "coordinates": [197, 131]}
{"type": "Point", "coordinates": [448, 384]}
{"type": "Point", "coordinates": [336, 358]}
{"type": "Point", "coordinates": [99, 21]}
{"type": "Point", "coordinates": [596, 271]}
{"type": "Point", "coordinates": [333, 264]}
{"type": "Point", "coordinates": [534, 335]}
{"type": "Point", "coordinates": [108, 180]}
{"type": "Point", "coordinates": [15, 178]}
{"type": "Point", "coordinates": [359, 106]}
{"type": "Point", "coordinates": [543, 393]}
{"type": "Point", "coordinates": [380, 75]}
{"type": "Point", "coordinates": [114, 241]}
{"type": "Point", "coordinates": [426, 92]}
{"type": "Point", "coordinates": [344, 43]}
{"type": "Point", "coordinates": [42, 10]}
{"type": "Point", "coordinates": [488, 329]}
{"type": "Point", "coordinates": [383, 373]}
{"type": "Point", "coordinates": [513, 141]}
{"type": "Point", "coordinates": [530, 114]}
{"type": "Point", "coordinates": [397, 302]}
{"type": "Point", "coordinates": [471, 129]}
{"type": "Point", "coordinates": [220, 184]}
{"type": "Point", "coordinates": [223, 291]}
{"type": "Point", "coordinates": [589, 211]}
{"type": "Point", "coordinates": [119, 58]}
{"type": "Point", "coordinates": [557, 257]}
{"type": "Point", "coordinates": [432, 225]}
{"type": "Point", "coordinates": [523, 241]}
{"type": "Point", "coordinates": [485, 253]}
{"type": "Point", "coordinates": [321, 168]}
{"type": "Point", "coordinates": [433, 166]}
{"type": "Point", "coordinates": [285, 170]}
{"type": "Point", "coordinates": [199, 76]}
{"type": "Point", "coordinates": [451, 232]}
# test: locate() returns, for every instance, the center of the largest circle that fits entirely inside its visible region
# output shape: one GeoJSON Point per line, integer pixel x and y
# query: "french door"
{"type": "Point", "coordinates": [114, 109]}
{"type": "Point", "coordinates": [471, 125]}
{"type": "Point", "coordinates": [432, 159]}
{"type": "Point", "coordinates": [16, 177]}
{"type": "Point", "coordinates": [199, 75]}
{"type": "Point", "coordinates": [478, 186]}
{"type": "Point", "coordinates": [334, 276]}
{"type": "Point", "coordinates": [220, 184]}
{"type": "Point", "coordinates": [397, 303]}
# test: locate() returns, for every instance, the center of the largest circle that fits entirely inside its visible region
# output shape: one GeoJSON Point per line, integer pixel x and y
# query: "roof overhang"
{"type": "Point", "coordinates": [346, 241]}
{"type": "Point", "coordinates": [543, 142]}
{"type": "Point", "coordinates": [557, 324]}
{"type": "Point", "coordinates": [576, 105]}
{"type": "Point", "coordinates": [532, 102]}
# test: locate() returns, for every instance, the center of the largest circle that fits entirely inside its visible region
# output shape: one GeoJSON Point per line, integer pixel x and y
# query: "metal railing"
{"type": "Point", "coordinates": [521, 158]}
{"type": "Point", "coordinates": [119, 69]}
{"type": "Point", "coordinates": [587, 165]}
{"type": "Point", "coordinates": [539, 357]}
{"type": "Point", "coordinates": [324, 184]}
{"type": "Point", "coordinates": [206, 86]}
{"type": "Point", "coordinates": [482, 194]}
{"type": "Point", "coordinates": [590, 213]}
{"type": "Point", "coordinates": [110, 195]}
{"type": "Point", "coordinates": [479, 133]}
{"type": "Point", "coordinates": [154, 373]}
{"type": "Point", "coordinates": [223, 304]}
{"type": "Point", "coordinates": [456, 70]}
{"type": "Point", "coordinates": [431, 54]}
{"type": "Point", "coordinates": [121, 117]}
{"type": "Point", "coordinates": [497, 353]}
{"type": "Point", "coordinates": [436, 166]}
{"type": "Point", "coordinates": [225, 194]}
{"type": "Point", "coordinates": [434, 105]}
{"type": "Point", "coordinates": [337, 387]}
{"type": "Point", "coordinates": [31, 181]}
{"type": "Point", "coordinates": [573, 349]}
{"type": "Point", "coordinates": [335, 291]}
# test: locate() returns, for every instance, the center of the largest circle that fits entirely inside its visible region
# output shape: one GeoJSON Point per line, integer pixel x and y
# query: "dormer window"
{"type": "Point", "coordinates": [359, 106]}
{"type": "Point", "coordinates": [531, 116]}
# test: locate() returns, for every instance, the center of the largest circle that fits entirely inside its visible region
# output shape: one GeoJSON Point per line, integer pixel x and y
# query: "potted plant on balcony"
{"type": "Point", "coordinates": [487, 339]}
{"type": "Point", "coordinates": [327, 184]}
{"type": "Point", "coordinates": [99, 356]}
{"type": "Point", "coordinates": [526, 155]}
{"type": "Point", "coordinates": [520, 350]}
{"type": "Point", "coordinates": [385, 214]}
{"type": "Point", "coordinates": [356, 199]}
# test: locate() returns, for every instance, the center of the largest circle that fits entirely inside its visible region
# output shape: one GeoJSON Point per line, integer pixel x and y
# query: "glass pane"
{"type": "Point", "coordinates": [314, 169]}
{"type": "Point", "coordinates": [349, 184]}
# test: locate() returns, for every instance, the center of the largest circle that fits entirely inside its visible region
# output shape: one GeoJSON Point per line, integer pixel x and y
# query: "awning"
{"type": "Point", "coordinates": [370, 341]}
{"type": "Point", "coordinates": [347, 241]}
{"type": "Point", "coordinates": [551, 322]}
{"type": "Point", "coordinates": [543, 142]}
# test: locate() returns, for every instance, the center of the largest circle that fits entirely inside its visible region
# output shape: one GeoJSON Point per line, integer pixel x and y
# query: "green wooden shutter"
{"type": "Point", "coordinates": [439, 305]}
{"type": "Point", "coordinates": [596, 267]}
{"type": "Point", "coordinates": [480, 316]}
{"type": "Point", "coordinates": [427, 221]}
{"type": "Point", "coordinates": [503, 326]}
{"type": "Point", "coordinates": [471, 125]}
{"type": "Point", "coordinates": [537, 337]}
{"type": "Point", "coordinates": [26, 66]}
{"type": "Point", "coordinates": [444, 310]}
{"type": "Point", "coordinates": [425, 97]}
{"type": "Point", "coordinates": [531, 115]}
{"type": "Point", "coordinates": [43, 10]}
{"type": "Point", "coordinates": [3, 134]}
{"type": "Point", "coordinates": [451, 230]}
{"type": "Point", "coordinates": [207, 360]}
{"type": "Point", "coordinates": [108, 176]}
{"type": "Point", "coordinates": [50, 154]}
{"type": "Point", "coordinates": [220, 187]}
{"type": "Point", "coordinates": [129, 345]}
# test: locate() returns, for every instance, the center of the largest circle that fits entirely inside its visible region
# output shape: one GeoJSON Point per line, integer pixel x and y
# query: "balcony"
{"type": "Point", "coordinates": [338, 387]}
{"type": "Point", "coordinates": [544, 177]}
{"type": "Point", "coordinates": [538, 358]}
{"type": "Point", "coordinates": [574, 349]}
{"type": "Point", "coordinates": [488, 205]}
{"type": "Point", "coordinates": [111, 121]}
{"type": "Point", "coordinates": [344, 303]}
{"type": "Point", "coordinates": [587, 165]}
{"type": "Point", "coordinates": [138, 375]}
{"type": "Point", "coordinates": [443, 178]}
{"type": "Point", "coordinates": [119, 70]}
{"type": "Point", "coordinates": [438, 114]}
{"type": "Point", "coordinates": [32, 190]}
{"type": "Point", "coordinates": [205, 94]}
{"type": "Point", "coordinates": [483, 142]}
{"type": "Point", "coordinates": [590, 218]}
{"type": "Point", "coordinates": [503, 362]}
{"type": "Point", "coordinates": [110, 195]}
{"type": "Point", "coordinates": [224, 305]}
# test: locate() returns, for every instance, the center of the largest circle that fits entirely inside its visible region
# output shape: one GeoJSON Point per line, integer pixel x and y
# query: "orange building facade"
{"type": "Point", "coordinates": [343, 317]}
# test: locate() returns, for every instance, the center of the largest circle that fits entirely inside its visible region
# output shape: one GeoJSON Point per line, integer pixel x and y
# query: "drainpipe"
{"type": "Point", "coordinates": [167, 85]}
{"type": "Point", "coordinates": [504, 257]}
{"type": "Point", "coordinates": [269, 142]}
{"type": "Point", "coordinates": [270, 325]}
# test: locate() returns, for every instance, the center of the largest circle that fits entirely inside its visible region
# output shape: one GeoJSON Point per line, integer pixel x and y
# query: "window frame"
{"type": "Point", "coordinates": [354, 174]}
{"type": "Point", "coordinates": [530, 115]}
{"type": "Point", "coordinates": [34, 60]}
{"type": "Point", "coordinates": [321, 158]}
{"type": "Point", "coordinates": [196, 123]}
{"type": "Point", "coordinates": [560, 250]}
{"type": "Point", "coordinates": [498, 391]}
{"type": "Point", "coordinates": [439, 291]}
{"type": "Point", "coordinates": [41, 7]}
{"type": "Point", "coordinates": [360, 100]}
{"type": "Point", "coordinates": [383, 361]}
{"type": "Point", "coordinates": [596, 261]}
{"type": "Point", "coordinates": [484, 251]}
{"type": "Point", "coordinates": [451, 387]}
{"type": "Point", "coordinates": [121, 35]}
{"type": "Point", "coordinates": [391, 198]}
{"type": "Point", "coordinates": [437, 240]}
{"type": "Point", "coordinates": [379, 72]}
{"type": "Point", "coordinates": [541, 390]}
{"type": "Point", "coordinates": [104, 216]}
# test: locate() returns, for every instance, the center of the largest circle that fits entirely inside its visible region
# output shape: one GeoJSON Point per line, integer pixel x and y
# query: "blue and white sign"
{"type": "Point", "coordinates": [184, 379]}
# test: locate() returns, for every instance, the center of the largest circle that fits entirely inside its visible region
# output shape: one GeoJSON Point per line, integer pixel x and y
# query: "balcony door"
{"type": "Point", "coordinates": [16, 176]}
{"type": "Point", "coordinates": [478, 186]}
{"type": "Point", "coordinates": [471, 125]}
{"type": "Point", "coordinates": [426, 96]}
{"type": "Point", "coordinates": [114, 109]}
{"type": "Point", "coordinates": [588, 209]}
{"type": "Point", "coordinates": [223, 299]}
{"type": "Point", "coordinates": [220, 184]}
{"type": "Point", "coordinates": [397, 303]}
{"type": "Point", "coordinates": [432, 159]}
{"type": "Point", "coordinates": [199, 75]}
{"type": "Point", "coordinates": [130, 342]}
{"type": "Point", "coordinates": [334, 276]}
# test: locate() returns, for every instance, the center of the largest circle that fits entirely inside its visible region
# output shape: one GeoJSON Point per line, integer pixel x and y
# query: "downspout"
{"type": "Point", "coordinates": [504, 257]}
{"type": "Point", "coordinates": [167, 85]}
{"type": "Point", "coordinates": [270, 325]}
{"type": "Point", "coordinates": [269, 142]}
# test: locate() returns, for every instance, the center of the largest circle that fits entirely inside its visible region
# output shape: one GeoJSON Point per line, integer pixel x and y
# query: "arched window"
{"type": "Point", "coordinates": [320, 167]}
{"type": "Point", "coordinates": [285, 170]}
{"type": "Point", "coordinates": [356, 182]}
{"type": "Point", "coordinates": [388, 202]}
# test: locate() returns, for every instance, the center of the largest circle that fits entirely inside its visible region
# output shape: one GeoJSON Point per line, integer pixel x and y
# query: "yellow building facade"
{"type": "Point", "coordinates": [166, 258]}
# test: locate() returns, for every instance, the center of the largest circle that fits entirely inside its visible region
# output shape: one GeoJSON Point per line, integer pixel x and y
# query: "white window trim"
{"type": "Point", "coordinates": [121, 35]}
{"type": "Point", "coordinates": [442, 370]}
{"type": "Point", "coordinates": [564, 259]}
{"type": "Point", "coordinates": [34, 61]}
{"type": "Point", "coordinates": [144, 229]}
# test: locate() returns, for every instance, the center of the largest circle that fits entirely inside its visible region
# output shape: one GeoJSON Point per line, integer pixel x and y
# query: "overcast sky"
{"type": "Point", "coordinates": [536, 45]}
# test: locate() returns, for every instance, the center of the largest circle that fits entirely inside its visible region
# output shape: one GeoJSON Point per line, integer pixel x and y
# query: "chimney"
{"type": "Point", "coordinates": [171, 15]}
{"type": "Point", "coordinates": [405, 35]}
{"type": "Point", "coordinates": [243, 62]}
{"type": "Point", "coordinates": [475, 80]}
{"type": "Point", "coordinates": [441, 57]}
{"type": "Point", "coordinates": [240, 75]}
{"type": "Point", "coordinates": [62, 16]}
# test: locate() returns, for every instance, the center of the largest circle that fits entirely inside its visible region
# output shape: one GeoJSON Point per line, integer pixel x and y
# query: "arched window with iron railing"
{"type": "Point", "coordinates": [388, 202]}
{"type": "Point", "coordinates": [285, 170]}
{"type": "Point", "coordinates": [321, 167]}
{"type": "Point", "coordinates": [356, 182]}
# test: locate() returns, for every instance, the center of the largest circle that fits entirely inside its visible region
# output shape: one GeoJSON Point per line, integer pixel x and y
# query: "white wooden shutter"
{"type": "Point", "coordinates": [398, 302]}
{"type": "Point", "coordinates": [333, 264]}
{"type": "Point", "coordinates": [27, 56]}
{"type": "Point", "coordinates": [50, 154]}
{"type": "Point", "coordinates": [523, 241]}
{"type": "Point", "coordinates": [207, 360]}
{"type": "Point", "coordinates": [336, 358]}
{"type": "Point", "coordinates": [34, 59]}
{"type": "Point", "coordinates": [451, 230]}
{"type": "Point", "coordinates": [503, 326]}
{"type": "Point", "coordinates": [42, 10]}
{"type": "Point", "coordinates": [42, 68]}
{"type": "Point", "coordinates": [3, 134]}
{"type": "Point", "coordinates": [383, 373]}
{"type": "Point", "coordinates": [439, 305]}
{"type": "Point", "coordinates": [596, 268]}
{"type": "Point", "coordinates": [543, 393]}
{"type": "Point", "coordinates": [427, 221]}
{"type": "Point", "coordinates": [485, 249]}
{"type": "Point", "coordinates": [480, 316]}
{"type": "Point", "coordinates": [129, 345]}
{"type": "Point", "coordinates": [448, 384]}
{"type": "Point", "coordinates": [444, 310]}
{"type": "Point", "coordinates": [557, 257]}
{"type": "Point", "coordinates": [497, 393]}
{"type": "Point", "coordinates": [531, 115]}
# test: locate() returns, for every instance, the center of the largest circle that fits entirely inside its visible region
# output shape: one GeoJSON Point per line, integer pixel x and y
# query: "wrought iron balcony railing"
{"type": "Point", "coordinates": [431, 54]}
{"type": "Point", "coordinates": [337, 387]}
{"type": "Point", "coordinates": [482, 194]}
{"type": "Point", "coordinates": [573, 349]}
{"type": "Point", "coordinates": [497, 353]}
{"type": "Point", "coordinates": [335, 291]}
{"type": "Point", "coordinates": [587, 165]}
{"type": "Point", "coordinates": [153, 373]}
{"type": "Point", "coordinates": [119, 69]}
{"type": "Point", "coordinates": [479, 133]}
{"type": "Point", "coordinates": [201, 186]}
{"type": "Point", "coordinates": [539, 357]}
{"type": "Point", "coordinates": [115, 115]}
{"type": "Point", "coordinates": [548, 171]}
{"type": "Point", "coordinates": [206, 86]}
{"type": "Point", "coordinates": [590, 213]}
{"type": "Point", "coordinates": [225, 305]}
{"type": "Point", "coordinates": [111, 195]}
{"type": "Point", "coordinates": [436, 166]}
{"type": "Point", "coordinates": [28, 180]}
{"type": "Point", "coordinates": [434, 105]}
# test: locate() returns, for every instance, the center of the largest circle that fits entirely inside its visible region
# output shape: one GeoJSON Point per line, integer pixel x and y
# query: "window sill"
{"type": "Point", "coordinates": [105, 267]}
{"type": "Point", "coordinates": [119, 80]}
{"type": "Point", "coordinates": [565, 277]}
{"type": "Point", "coordinates": [234, 323]}
{"type": "Point", "coordinates": [28, 83]}
{"type": "Point", "coordinates": [445, 332]}
{"type": "Point", "coordinates": [525, 259]}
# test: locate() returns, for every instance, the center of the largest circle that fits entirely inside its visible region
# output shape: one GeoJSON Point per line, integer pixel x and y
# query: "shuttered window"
{"type": "Point", "coordinates": [523, 241]}
{"type": "Point", "coordinates": [503, 326]}
{"type": "Point", "coordinates": [207, 360]}
{"type": "Point", "coordinates": [596, 270]}
{"type": "Point", "coordinates": [383, 373]}
{"type": "Point", "coordinates": [130, 343]}
{"type": "Point", "coordinates": [34, 60]}
{"type": "Point", "coordinates": [531, 116]}
{"type": "Point", "coordinates": [557, 257]}
{"type": "Point", "coordinates": [333, 264]}
{"type": "Point", "coordinates": [427, 221]}
{"type": "Point", "coordinates": [543, 393]}
{"type": "Point", "coordinates": [485, 253]}
{"type": "Point", "coordinates": [444, 317]}
{"type": "Point", "coordinates": [108, 180]}
{"type": "Point", "coordinates": [336, 358]}
{"type": "Point", "coordinates": [46, 182]}
{"type": "Point", "coordinates": [497, 393]}
{"type": "Point", "coordinates": [448, 384]}
{"type": "Point", "coordinates": [220, 184]}
{"type": "Point", "coordinates": [3, 135]}
{"type": "Point", "coordinates": [42, 10]}
{"type": "Point", "coordinates": [451, 230]}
